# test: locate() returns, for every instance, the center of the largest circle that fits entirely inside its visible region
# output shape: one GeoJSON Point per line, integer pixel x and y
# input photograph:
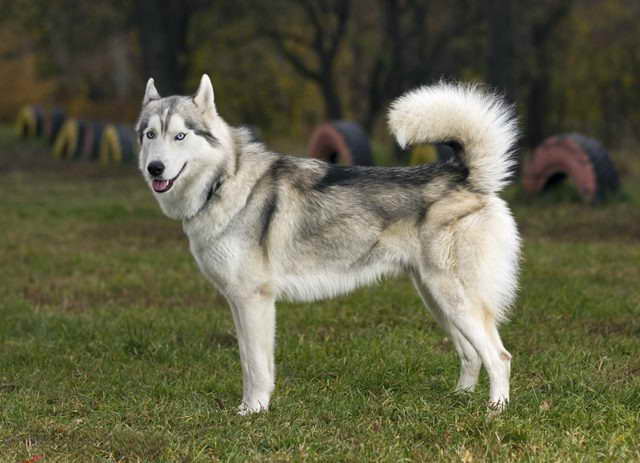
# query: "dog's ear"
{"type": "Point", "coordinates": [150, 93]}
{"type": "Point", "coordinates": [204, 98]}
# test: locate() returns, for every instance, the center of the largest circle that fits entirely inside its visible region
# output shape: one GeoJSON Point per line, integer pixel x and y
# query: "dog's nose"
{"type": "Point", "coordinates": [155, 168]}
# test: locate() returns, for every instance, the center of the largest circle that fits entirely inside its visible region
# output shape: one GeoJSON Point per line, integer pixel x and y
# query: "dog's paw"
{"type": "Point", "coordinates": [245, 409]}
{"type": "Point", "coordinates": [494, 409]}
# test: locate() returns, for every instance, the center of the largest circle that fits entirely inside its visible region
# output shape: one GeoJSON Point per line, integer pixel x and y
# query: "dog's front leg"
{"type": "Point", "coordinates": [255, 323]}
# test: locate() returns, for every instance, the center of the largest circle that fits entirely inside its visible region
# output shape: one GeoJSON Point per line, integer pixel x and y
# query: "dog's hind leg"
{"type": "Point", "coordinates": [470, 361]}
{"type": "Point", "coordinates": [476, 325]}
{"type": "Point", "coordinates": [255, 322]}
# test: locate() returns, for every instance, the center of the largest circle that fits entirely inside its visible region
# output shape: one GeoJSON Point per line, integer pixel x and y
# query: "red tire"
{"type": "Point", "coordinates": [581, 159]}
{"type": "Point", "coordinates": [341, 142]}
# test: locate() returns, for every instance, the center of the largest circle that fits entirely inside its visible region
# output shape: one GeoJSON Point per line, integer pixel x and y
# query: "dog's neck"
{"type": "Point", "coordinates": [211, 190]}
{"type": "Point", "coordinates": [226, 196]}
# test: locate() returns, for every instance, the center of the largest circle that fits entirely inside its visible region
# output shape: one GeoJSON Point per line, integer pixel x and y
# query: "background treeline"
{"type": "Point", "coordinates": [286, 65]}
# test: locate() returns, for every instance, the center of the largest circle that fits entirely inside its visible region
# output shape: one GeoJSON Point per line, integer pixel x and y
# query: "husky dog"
{"type": "Point", "coordinates": [264, 226]}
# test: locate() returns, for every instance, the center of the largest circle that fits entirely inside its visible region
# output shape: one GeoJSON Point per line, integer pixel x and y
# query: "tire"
{"type": "Point", "coordinates": [118, 144]}
{"type": "Point", "coordinates": [30, 121]}
{"type": "Point", "coordinates": [54, 120]}
{"type": "Point", "coordinates": [128, 143]}
{"type": "Point", "coordinates": [607, 177]}
{"type": "Point", "coordinates": [580, 158]}
{"type": "Point", "coordinates": [341, 142]}
{"type": "Point", "coordinates": [69, 141]}
{"type": "Point", "coordinates": [92, 138]}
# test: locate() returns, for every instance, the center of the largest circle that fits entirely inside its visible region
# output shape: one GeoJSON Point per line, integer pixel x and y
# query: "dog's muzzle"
{"type": "Point", "coordinates": [160, 185]}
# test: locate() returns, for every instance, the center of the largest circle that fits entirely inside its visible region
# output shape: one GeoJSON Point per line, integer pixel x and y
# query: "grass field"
{"type": "Point", "coordinates": [113, 347]}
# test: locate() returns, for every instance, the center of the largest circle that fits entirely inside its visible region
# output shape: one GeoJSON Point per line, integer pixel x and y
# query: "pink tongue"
{"type": "Point", "coordinates": [160, 185]}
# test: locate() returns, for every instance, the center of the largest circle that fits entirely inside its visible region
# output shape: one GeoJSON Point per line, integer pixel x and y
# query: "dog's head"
{"type": "Point", "coordinates": [186, 149]}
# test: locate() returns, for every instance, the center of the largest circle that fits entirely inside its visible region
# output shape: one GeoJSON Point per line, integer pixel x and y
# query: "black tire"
{"type": "Point", "coordinates": [91, 144]}
{"type": "Point", "coordinates": [357, 141]}
{"type": "Point", "coordinates": [446, 152]}
{"type": "Point", "coordinates": [606, 173]}
{"type": "Point", "coordinates": [128, 143]}
{"type": "Point", "coordinates": [83, 131]}
{"type": "Point", "coordinates": [40, 118]}
{"type": "Point", "coordinates": [341, 142]}
{"type": "Point", "coordinates": [55, 120]}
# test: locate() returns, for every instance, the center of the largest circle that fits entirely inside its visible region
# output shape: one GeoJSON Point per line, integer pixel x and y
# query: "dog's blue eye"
{"type": "Point", "coordinates": [151, 134]}
{"type": "Point", "coordinates": [180, 136]}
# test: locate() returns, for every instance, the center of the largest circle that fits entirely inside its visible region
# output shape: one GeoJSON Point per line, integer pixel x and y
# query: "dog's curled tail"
{"type": "Point", "coordinates": [480, 122]}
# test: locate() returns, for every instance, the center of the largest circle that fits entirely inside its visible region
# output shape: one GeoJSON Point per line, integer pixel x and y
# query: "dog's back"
{"type": "Point", "coordinates": [332, 228]}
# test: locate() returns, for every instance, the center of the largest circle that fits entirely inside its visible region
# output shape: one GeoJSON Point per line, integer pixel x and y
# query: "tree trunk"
{"type": "Point", "coordinates": [500, 49]}
{"type": "Point", "coordinates": [332, 103]}
{"type": "Point", "coordinates": [162, 29]}
{"type": "Point", "coordinates": [538, 99]}
{"type": "Point", "coordinates": [537, 109]}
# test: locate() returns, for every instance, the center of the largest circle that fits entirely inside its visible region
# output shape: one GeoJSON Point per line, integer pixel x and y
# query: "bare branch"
{"type": "Point", "coordinates": [280, 42]}
{"type": "Point", "coordinates": [342, 11]}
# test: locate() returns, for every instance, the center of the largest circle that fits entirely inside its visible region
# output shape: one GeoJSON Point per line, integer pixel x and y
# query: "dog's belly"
{"type": "Point", "coordinates": [317, 269]}
{"type": "Point", "coordinates": [305, 270]}
{"type": "Point", "coordinates": [330, 282]}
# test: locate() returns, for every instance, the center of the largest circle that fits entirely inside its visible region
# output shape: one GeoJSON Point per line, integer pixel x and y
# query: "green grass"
{"type": "Point", "coordinates": [114, 348]}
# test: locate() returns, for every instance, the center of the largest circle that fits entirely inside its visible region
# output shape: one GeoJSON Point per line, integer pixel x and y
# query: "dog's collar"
{"type": "Point", "coordinates": [213, 191]}
{"type": "Point", "coordinates": [214, 188]}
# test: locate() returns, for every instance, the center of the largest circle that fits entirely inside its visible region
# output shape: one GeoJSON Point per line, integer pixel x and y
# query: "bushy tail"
{"type": "Point", "coordinates": [481, 122]}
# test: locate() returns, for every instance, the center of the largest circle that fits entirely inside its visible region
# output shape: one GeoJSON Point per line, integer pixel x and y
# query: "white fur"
{"type": "Point", "coordinates": [481, 122]}
{"type": "Point", "coordinates": [470, 277]}
{"type": "Point", "coordinates": [185, 198]}
{"type": "Point", "coordinates": [150, 93]}
{"type": "Point", "coordinates": [204, 97]}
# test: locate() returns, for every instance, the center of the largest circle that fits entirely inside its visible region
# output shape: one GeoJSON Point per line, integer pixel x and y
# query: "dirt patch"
{"type": "Point", "coordinates": [138, 233]}
{"type": "Point", "coordinates": [627, 231]}
{"type": "Point", "coordinates": [606, 328]}
{"type": "Point", "coordinates": [618, 222]}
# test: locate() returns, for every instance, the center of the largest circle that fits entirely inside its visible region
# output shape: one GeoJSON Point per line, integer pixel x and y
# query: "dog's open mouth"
{"type": "Point", "coordinates": [162, 186]}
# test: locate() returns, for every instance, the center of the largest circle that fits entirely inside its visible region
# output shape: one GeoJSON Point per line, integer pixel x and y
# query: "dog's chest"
{"type": "Point", "coordinates": [222, 259]}
{"type": "Point", "coordinates": [212, 256]}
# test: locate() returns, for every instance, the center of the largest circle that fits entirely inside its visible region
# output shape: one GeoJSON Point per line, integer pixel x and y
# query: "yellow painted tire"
{"type": "Point", "coordinates": [66, 143]}
{"type": "Point", "coordinates": [118, 145]}
{"type": "Point", "coordinates": [110, 151]}
{"type": "Point", "coordinates": [423, 154]}
{"type": "Point", "coordinates": [29, 122]}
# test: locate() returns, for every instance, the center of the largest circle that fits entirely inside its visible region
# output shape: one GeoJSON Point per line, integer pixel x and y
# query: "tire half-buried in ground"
{"type": "Point", "coordinates": [118, 144]}
{"type": "Point", "coordinates": [69, 142]}
{"type": "Point", "coordinates": [577, 157]}
{"type": "Point", "coordinates": [341, 142]}
{"type": "Point", "coordinates": [30, 121]}
{"type": "Point", "coordinates": [54, 120]}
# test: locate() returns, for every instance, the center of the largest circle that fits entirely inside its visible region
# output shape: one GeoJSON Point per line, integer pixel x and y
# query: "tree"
{"type": "Point", "coordinates": [500, 54]}
{"type": "Point", "coordinates": [163, 29]}
{"type": "Point", "coordinates": [546, 17]}
{"type": "Point", "coordinates": [415, 47]}
{"type": "Point", "coordinates": [326, 23]}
